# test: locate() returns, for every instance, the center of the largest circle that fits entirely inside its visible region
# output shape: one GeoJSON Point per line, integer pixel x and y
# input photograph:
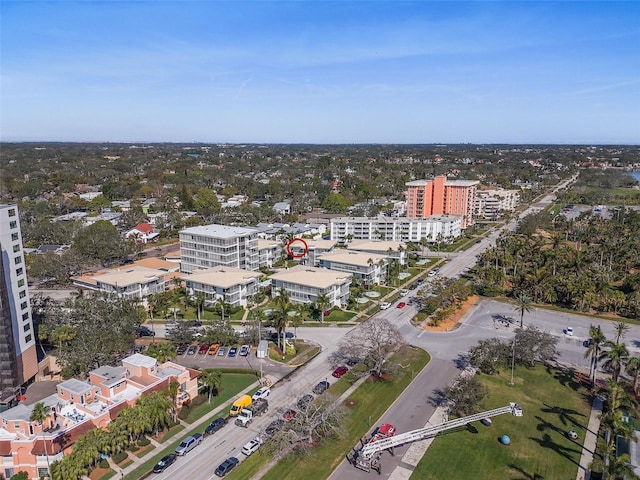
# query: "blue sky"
{"type": "Point", "coordinates": [321, 72]}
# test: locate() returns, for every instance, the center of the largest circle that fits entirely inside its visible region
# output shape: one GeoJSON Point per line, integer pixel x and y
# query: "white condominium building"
{"type": "Point", "coordinates": [212, 245]}
{"type": "Point", "coordinates": [304, 284]}
{"type": "Point", "coordinates": [403, 229]}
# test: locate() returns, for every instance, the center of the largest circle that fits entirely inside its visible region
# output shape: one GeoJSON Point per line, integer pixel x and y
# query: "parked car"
{"type": "Point", "coordinates": [203, 349]}
{"type": "Point", "coordinates": [404, 293]}
{"type": "Point", "coordinates": [569, 331]}
{"type": "Point", "coordinates": [588, 342]}
{"type": "Point", "coordinates": [226, 466]}
{"type": "Point", "coordinates": [413, 286]}
{"type": "Point", "coordinates": [274, 335]}
{"type": "Point", "coordinates": [164, 463]}
{"type": "Point", "coordinates": [188, 444]}
{"type": "Point", "coordinates": [143, 331]}
{"type": "Point", "coordinates": [222, 352]}
{"type": "Point", "coordinates": [214, 349]}
{"type": "Point", "coordinates": [192, 350]}
{"type": "Point", "coordinates": [401, 305]}
{"type": "Point", "coordinates": [181, 349]}
{"type": "Point", "coordinates": [304, 401]}
{"type": "Point", "coordinates": [233, 351]}
{"type": "Point", "coordinates": [244, 351]}
{"type": "Point", "coordinates": [251, 446]}
{"type": "Point", "coordinates": [321, 387]}
{"type": "Point", "coordinates": [420, 281]}
{"type": "Point", "coordinates": [263, 392]}
{"type": "Point", "coordinates": [340, 371]}
{"type": "Point", "coordinates": [274, 426]}
{"type": "Point", "coordinates": [289, 414]}
{"type": "Point", "coordinates": [214, 426]}
{"type": "Point", "coordinates": [384, 305]}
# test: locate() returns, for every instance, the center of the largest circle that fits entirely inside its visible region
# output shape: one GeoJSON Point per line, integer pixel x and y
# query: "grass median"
{"type": "Point", "coordinates": [552, 405]}
{"type": "Point", "coordinates": [369, 401]}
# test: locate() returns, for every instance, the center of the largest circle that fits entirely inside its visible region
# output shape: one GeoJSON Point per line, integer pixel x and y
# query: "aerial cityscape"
{"type": "Point", "coordinates": [319, 240]}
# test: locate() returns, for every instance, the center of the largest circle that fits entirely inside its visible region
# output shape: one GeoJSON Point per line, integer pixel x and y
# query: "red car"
{"type": "Point", "coordinates": [203, 348]}
{"type": "Point", "coordinates": [340, 371]}
{"type": "Point", "coordinates": [401, 305]}
{"type": "Point", "coordinates": [290, 414]}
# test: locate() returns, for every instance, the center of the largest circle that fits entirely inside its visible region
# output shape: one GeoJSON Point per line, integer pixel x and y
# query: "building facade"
{"type": "Point", "coordinates": [18, 357]}
{"type": "Point", "coordinates": [371, 268]}
{"type": "Point", "coordinates": [491, 204]}
{"type": "Point", "coordinates": [304, 284]}
{"type": "Point", "coordinates": [441, 195]}
{"type": "Point", "coordinates": [402, 229]}
{"type": "Point", "coordinates": [231, 285]}
{"type": "Point", "coordinates": [80, 406]}
{"type": "Point", "coordinates": [213, 245]}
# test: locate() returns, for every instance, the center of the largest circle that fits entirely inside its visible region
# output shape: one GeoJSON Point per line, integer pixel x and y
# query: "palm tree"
{"type": "Point", "coordinates": [620, 467]}
{"type": "Point", "coordinates": [199, 304]}
{"type": "Point", "coordinates": [211, 379]}
{"type": "Point", "coordinates": [162, 352]}
{"type": "Point", "coordinates": [621, 329]}
{"type": "Point", "coordinates": [614, 358]}
{"type": "Point", "coordinates": [523, 304]}
{"type": "Point", "coordinates": [322, 301]}
{"type": "Point", "coordinates": [39, 414]}
{"type": "Point", "coordinates": [280, 315]}
{"type": "Point", "coordinates": [633, 368]}
{"type": "Point", "coordinates": [63, 334]}
{"type": "Point", "coordinates": [594, 350]}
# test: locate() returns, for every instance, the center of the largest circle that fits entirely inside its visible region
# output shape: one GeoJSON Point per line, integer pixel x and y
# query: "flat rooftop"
{"type": "Point", "coordinates": [351, 257]}
{"type": "Point", "coordinates": [223, 277]}
{"type": "Point", "coordinates": [312, 276]}
{"type": "Point", "coordinates": [219, 231]}
{"type": "Point", "coordinates": [375, 246]}
{"type": "Point", "coordinates": [129, 276]}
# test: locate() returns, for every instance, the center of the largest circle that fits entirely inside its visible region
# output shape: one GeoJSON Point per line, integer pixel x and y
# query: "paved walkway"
{"type": "Point", "coordinates": [590, 438]}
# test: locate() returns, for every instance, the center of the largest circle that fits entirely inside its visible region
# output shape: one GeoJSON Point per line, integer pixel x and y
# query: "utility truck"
{"type": "Point", "coordinates": [256, 409]}
{"type": "Point", "coordinates": [368, 456]}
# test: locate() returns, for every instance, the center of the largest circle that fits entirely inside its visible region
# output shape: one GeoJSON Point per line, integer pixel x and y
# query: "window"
{"type": "Point", "coordinates": [18, 260]}
{"type": "Point", "coordinates": [8, 472]}
{"type": "Point", "coordinates": [23, 305]}
{"type": "Point", "coordinates": [12, 212]}
{"type": "Point", "coordinates": [27, 327]}
{"type": "Point", "coordinates": [14, 236]}
{"type": "Point", "coordinates": [19, 271]}
{"type": "Point", "coordinates": [16, 248]}
{"type": "Point", "coordinates": [25, 316]}
{"type": "Point", "coordinates": [43, 472]}
{"type": "Point", "coordinates": [21, 282]}
{"type": "Point", "coordinates": [28, 338]}
{"type": "Point", "coordinates": [22, 294]}
{"type": "Point", "coordinates": [13, 224]}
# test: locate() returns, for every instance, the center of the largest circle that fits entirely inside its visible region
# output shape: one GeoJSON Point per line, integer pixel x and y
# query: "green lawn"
{"type": "Point", "coordinates": [539, 446]}
{"type": "Point", "coordinates": [339, 316]}
{"type": "Point", "coordinates": [371, 400]}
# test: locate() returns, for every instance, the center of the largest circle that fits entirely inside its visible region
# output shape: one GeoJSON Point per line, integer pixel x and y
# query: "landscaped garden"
{"type": "Point", "coordinates": [552, 404]}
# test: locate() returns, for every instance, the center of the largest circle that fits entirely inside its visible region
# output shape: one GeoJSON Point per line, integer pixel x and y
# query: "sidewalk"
{"type": "Point", "coordinates": [590, 438]}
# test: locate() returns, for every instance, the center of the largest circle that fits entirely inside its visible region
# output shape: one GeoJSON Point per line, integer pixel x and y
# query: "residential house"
{"type": "Point", "coordinates": [80, 406]}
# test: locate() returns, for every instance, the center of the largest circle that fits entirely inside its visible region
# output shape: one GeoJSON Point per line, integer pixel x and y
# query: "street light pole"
{"type": "Point", "coordinates": [513, 359]}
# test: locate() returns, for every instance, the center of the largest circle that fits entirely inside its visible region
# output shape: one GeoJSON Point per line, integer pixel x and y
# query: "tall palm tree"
{"type": "Point", "coordinates": [322, 301]}
{"type": "Point", "coordinates": [633, 368]}
{"type": "Point", "coordinates": [39, 414]}
{"type": "Point", "coordinates": [594, 350]}
{"type": "Point", "coordinates": [280, 315]}
{"type": "Point", "coordinates": [211, 379]}
{"type": "Point", "coordinates": [523, 305]}
{"type": "Point", "coordinates": [614, 358]}
{"type": "Point", "coordinates": [621, 329]}
{"type": "Point", "coordinates": [162, 352]}
{"type": "Point", "coordinates": [199, 304]}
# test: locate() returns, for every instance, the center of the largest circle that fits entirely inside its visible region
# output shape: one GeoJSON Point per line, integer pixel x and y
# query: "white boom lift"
{"type": "Point", "coordinates": [368, 456]}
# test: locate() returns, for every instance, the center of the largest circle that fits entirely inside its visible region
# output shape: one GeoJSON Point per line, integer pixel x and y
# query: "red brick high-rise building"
{"type": "Point", "coordinates": [440, 195]}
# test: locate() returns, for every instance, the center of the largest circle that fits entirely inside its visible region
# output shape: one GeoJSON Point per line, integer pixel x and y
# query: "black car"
{"type": "Point", "coordinates": [304, 401]}
{"type": "Point", "coordinates": [181, 349]}
{"type": "Point", "coordinates": [164, 463]}
{"type": "Point", "coordinates": [274, 335]}
{"type": "Point", "coordinates": [226, 466]}
{"type": "Point", "coordinates": [214, 426]}
{"type": "Point", "coordinates": [274, 426]}
{"type": "Point", "coordinates": [413, 286]}
{"type": "Point", "coordinates": [321, 387]}
{"type": "Point", "coordinates": [420, 281]}
{"type": "Point", "coordinates": [145, 332]}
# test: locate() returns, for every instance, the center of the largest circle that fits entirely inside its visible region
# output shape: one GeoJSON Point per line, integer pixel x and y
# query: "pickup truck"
{"type": "Point", "coordinates": [256, 409]}
{"type": "Point", "coordinates": [188, 444]}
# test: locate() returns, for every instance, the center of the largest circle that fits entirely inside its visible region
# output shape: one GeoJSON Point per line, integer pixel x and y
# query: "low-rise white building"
{"type": "Point", "coordinates": [370, 267]}
{"type": "Point", "coordinates": [390, 249]}
{"type": "Point", "coordinates": [269, 252]}
{"type": "Point", "coordinates": [232, 285]}
{"type": "Point", "coordinates": [315, 249]}
{"type": "Point", "coordinates": [403, 229]}
{"type": "Point", "coordinates": [304, 284]}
